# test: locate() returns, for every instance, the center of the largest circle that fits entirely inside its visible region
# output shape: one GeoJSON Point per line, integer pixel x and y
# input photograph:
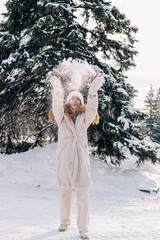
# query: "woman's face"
{"type": "Point", "coordinates": [75, 102]}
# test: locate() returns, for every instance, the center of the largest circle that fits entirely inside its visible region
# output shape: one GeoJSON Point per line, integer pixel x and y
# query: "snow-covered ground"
{"type": "Point", "coordinates": [29, 207]}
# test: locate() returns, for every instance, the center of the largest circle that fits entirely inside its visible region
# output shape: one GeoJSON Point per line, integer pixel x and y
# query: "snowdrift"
{"type": "Point", "coordinates": [29, 199]}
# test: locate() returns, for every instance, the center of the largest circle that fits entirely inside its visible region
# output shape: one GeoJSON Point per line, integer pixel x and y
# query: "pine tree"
{"type": "Point", "coordinates": [156, 136]}
{"type": "Point", "coordinates": [37, 35]}
{"type": "Point", "coordinates": [152, 121]}
{"type": "Point", "coordinates": [150, 108]}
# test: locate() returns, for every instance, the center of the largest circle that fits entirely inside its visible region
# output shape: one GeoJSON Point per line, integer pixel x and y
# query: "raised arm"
{"type": "Point", "coordinates": [57, 99]}
{"type": "Point", "coordinates": [92, 101]}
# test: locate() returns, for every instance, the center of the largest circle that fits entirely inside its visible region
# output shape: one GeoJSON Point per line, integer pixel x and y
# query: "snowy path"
{"type": "Point", "coordinates": [29, 200]}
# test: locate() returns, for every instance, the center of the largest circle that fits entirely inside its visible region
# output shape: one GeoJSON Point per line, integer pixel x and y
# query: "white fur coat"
{"type": "Point", "coordinates": [72, 161]}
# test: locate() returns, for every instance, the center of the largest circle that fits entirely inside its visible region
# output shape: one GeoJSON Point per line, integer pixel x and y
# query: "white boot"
{"type": "Point", "coordinates": [63, 227]}
{"type": "Point", "coordinates": [84, 235]}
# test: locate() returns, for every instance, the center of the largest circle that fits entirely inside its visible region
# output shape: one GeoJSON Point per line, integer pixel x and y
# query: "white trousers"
{"type": "Point", "coordinates": [82, 207]}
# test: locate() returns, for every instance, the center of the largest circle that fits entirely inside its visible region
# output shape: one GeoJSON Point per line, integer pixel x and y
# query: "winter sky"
{"type": "Point", "coordinates": [144, 15]}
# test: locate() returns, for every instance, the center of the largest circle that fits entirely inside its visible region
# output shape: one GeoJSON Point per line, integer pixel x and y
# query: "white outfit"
{"type": "Point", "coordinates": [72, 160]}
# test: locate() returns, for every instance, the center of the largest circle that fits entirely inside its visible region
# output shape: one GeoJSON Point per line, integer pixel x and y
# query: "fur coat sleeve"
{"type": "Point", "coordinates": [57, 100]}
{"type": "Point", "coordinates": [91, 110]}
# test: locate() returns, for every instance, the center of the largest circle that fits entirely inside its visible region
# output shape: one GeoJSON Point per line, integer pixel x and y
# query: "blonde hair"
{"type": "Point", "coordinates": [70, 113]}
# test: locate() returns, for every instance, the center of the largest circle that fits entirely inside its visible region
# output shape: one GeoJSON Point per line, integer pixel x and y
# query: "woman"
{"type": "Point", "coordinates": [72, 160]}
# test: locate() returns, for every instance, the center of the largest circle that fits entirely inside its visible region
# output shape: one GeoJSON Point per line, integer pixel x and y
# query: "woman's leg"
{"type": "Point", "coordinates": [65, 205]}
{"type": "Point", "coordinates": [82, 209]}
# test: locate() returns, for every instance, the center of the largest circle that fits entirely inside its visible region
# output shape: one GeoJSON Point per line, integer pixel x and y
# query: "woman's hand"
{"type": "Point", "coordinates": [95, 86]}
{"type": "Point", "coordinates": [56, 84]}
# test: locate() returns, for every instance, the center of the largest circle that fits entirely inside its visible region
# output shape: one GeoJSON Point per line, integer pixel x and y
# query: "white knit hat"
{"type": "Point", "coordinates": [75, 94]}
